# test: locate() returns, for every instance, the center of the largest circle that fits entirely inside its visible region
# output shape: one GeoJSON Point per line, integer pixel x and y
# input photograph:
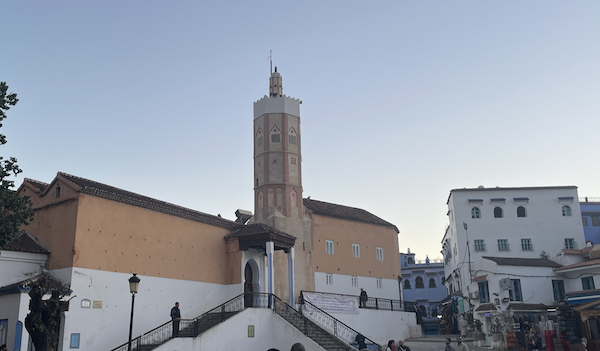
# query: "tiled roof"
{"type": "Point", "coordinates": [339, 211]}
{"type": "Point", "coordinates": [517, 261]}
{"type": "Point", "coordinates": [583, 292]}
{"type": "Point", "coordinates": [257, 228]}
{"type": "Point", "coordinates": [108, 192]}
{"type": "Point", "coordinates": [585, 250]}
{"type": "Point", "coordinates": [578, 265]}
{"type": "Point", "coordinates": [480, 278]}
{"type": "Point", "coordinates": [36, 183]}
{"type": "Point", "coordinates": [24, 285]}
{"type": "Point", "coordinates": [26, 243]}
{"type": "Point", "coordinates": [486, 307]}
{"type": "Point", "coordinates": [527, 307]}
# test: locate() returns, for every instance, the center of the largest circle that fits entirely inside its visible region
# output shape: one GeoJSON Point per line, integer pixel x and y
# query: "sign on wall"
{"type": "Point", "coordinates": [332, 302]}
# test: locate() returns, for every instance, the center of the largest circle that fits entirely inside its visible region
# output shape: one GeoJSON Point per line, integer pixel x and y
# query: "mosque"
{"type": "Point", "coordinates": [94, 236]}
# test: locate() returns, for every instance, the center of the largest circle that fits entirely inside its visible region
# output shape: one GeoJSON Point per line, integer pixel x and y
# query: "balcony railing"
{"type": "Point", "coordinates": [589, 199]}
{"type": "Point", "coordinates": [373, 303]}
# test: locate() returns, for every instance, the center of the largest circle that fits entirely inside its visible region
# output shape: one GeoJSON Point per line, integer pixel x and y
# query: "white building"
{"type": "Point", "coordinates": [502, 245]}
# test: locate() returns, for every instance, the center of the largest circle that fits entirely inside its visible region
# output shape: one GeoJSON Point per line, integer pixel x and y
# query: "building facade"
{"type": "Point", "coordinates": [590, 217]}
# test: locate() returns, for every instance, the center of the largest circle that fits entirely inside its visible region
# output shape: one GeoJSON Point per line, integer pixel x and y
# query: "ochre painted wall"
{"type": "Point", "coordinates": [112, 236]}
{"type": "Point", "coordinates": [344, 233]}
{"type": "Point", "coordinates": [54, 222]}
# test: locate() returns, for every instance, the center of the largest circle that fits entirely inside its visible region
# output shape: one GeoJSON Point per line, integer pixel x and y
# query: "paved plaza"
{"type": "Point", "coordinates": [438, 343]}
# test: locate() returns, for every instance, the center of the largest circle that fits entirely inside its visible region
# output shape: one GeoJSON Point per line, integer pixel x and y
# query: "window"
{"type": "Point", "coordinates": [407, 284]}
{"type": "Point", "coordinates": [292, 139]}
{"type": "Point", "coordinates": [354, 281]}
{"type": "Point", "coordinates": [410, 260]}
{"type": "Point", "coordinates": [475, 212]}
{"type": "Point", "coordinates": [355, 250]}
{"type": "Point", "coordinates": [419, 283]}
{"type": "Point", "coordinates": [515, 290]}
{"type": "Point", "coordinates": [379, 252]}
{"type": "Point", "coordinates": [558, 287]}
{"type": "Point", "coordinates": [595, 221]}
{"type": "Point", "coordinates": [479, 245]}
{"type": "Point", "coordinates": [566, 211]}
{"type": "Point", "coordinates": [3, 331]}
{"type": "Point", "coordinates": [584, 220]}
{"type": "Point", "coordinates": [329, 246]}
{"type": "Point", "coordinates": [498, 213]}
{"type": "Point", "coordinates": [521, 211]}
{"type": "Point", "coordinates": [57, 192]}
{"type": "Point", "coordinates": [275, 138]}
{"type": "Point", "coordinates": [526, 245]}
{"type": "Point", "coordinates": [432, 283]}
{"type": "Point", "coordinates": [484, 292]}
{"type": "Point", "coordinates": [379, 283]}
{"type": "Point", "coordinates": [588, 283]}
{"type": "Point", "coordinates": [329, 279]}
{"type": "Point", "coordinates": [570, 244]}
{"type": "Point", "coordinates": [502, 244]}
{"type": "Point", "coordinates": [259, 141]}
{"type": "Point", "coordinates": [74, 341]}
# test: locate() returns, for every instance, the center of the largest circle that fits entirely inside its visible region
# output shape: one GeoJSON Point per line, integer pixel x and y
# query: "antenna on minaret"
{"type": "Point", "coordinates": [271, 60]}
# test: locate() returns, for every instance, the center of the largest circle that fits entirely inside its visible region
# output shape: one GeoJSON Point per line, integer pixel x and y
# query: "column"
{"type": "Point", "coordinates": [291, 274]}
{"type": "Point", "coordinates": [270, 246]}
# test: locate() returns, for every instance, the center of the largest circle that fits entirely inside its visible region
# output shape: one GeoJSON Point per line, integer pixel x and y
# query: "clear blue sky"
{"type": "Point", "coordinates": [402, 100]}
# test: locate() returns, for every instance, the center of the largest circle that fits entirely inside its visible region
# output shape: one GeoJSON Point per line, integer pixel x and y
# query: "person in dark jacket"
{"type": "Point", "coordinates": [175, 317]}
{"type": "Point", "coordinates": [363, 298]}
{"type": "Point", "coordinates": [360, 340]}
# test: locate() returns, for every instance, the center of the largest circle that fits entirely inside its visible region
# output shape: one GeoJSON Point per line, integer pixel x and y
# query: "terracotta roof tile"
{"type": "Point", "coordinates": [480, 278]}
{"type": "Point", "coordinates": [527, 307]}
{"type": "Point", "coordinates": [583, 292]}
{"type": "Point", "coordinates": [486, 307]}
{"type": "Point", "coordinates": [585, 250]}
{"type": "Point", "coordinates": [26, 243]}
{"type": "Point", "coordinates": [36, 183]}
{"type": "Point", "coordinates": [517, 261]}
{"type": "Point", "coordinates": [340, 211]}
{"type": "Point", "coordinates": [580, 264]}
{"type": "Point", "coordinates": [108, 192]}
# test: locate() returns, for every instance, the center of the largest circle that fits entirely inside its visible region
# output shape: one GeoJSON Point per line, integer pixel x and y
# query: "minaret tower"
{"type": "Point", "coordinates": [277, 157]}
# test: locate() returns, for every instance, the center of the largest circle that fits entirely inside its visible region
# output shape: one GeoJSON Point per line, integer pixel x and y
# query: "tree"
{"type": "Point", "coordinates": [43, 320]}
{"type": "Point", "coordinates": [15, 210]}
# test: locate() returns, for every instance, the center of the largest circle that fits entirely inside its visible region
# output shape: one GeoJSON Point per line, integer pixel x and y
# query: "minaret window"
{"type": "Point", "coordinates": [259, 142]}
{"type": "Point", "coordinates": [275, 138]}
{"type": "Point", "coordinates": [292, 139]}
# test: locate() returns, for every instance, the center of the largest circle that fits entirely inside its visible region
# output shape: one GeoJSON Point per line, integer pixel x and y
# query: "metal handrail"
{"type": "Point", "coordinates": [589, 199]}
{"type": "Point", "coordinates": [334, 326]}
{"type": "Point", "coordinates": [374, 303]}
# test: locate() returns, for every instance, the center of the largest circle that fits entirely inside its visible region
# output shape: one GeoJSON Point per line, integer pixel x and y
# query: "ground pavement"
{"type": "Point", "coordinates": [438, 343]}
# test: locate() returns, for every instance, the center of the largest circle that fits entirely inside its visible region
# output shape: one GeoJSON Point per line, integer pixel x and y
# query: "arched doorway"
{"type": "Point", "coordinates": [251, 283]}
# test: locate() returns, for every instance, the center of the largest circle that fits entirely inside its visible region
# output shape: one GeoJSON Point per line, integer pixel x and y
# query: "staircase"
{"type": "Point", "coordinates": [192, 328]}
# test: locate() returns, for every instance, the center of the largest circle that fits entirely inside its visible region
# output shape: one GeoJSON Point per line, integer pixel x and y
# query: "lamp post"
{"type": "Point", "coordinates": [134, 283]}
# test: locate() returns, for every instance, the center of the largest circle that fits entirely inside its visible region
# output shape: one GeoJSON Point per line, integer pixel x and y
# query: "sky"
{"type": "Point", "coordinates": [402, 100]}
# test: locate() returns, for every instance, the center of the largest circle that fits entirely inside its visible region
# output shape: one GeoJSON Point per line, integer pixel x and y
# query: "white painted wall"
{"type": "Point", "coordinates": [381, 326]}
{"type": "Point", "coordinates": [342, 284]}
{"type": "Point", "coordinates": [544, 224]}
{"type": "Point", "coordinates": [18, 266]}
{"type": "Point", "coordinates": [11, 309]}
{"type": "Point", "coordinates": [270, 331]}
{"type": "Point", "coordinates": [107, 327]}
{"type": "Point", "coordinates": [279, 104]}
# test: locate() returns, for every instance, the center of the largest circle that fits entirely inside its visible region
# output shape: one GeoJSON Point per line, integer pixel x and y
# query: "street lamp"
{"type": "Point", "coordinates": [134, 284]}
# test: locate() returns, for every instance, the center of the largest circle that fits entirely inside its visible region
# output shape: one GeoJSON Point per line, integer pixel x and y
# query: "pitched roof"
{"type": "Point", "coordinates": [345, 212]}
{"type": "Point", "coordinates": [585, 250]}
{"type": "Point", "coordinates": [26, 243]}
{"type": "Point", "coordinates": [25, 285]}
{"type": "Point", "coordinates": [517, 261]}
{"type": "Point", "coordinates": [486, 307]}
{"type": "Point", "coordinates": [36, 183]}
{"type": "Point", "coordinates": [257, 228]}
{"type": "Point", "coordinates": [580, 264]}
{"type": "Point", "coordinates": [527, 307]}
{"type": "Point", "coordinates": [108, 192]}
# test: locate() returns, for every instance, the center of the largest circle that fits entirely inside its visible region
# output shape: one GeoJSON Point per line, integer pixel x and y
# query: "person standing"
{"type": "Point", "coordinates": [175, 317]}
{"type": "Point", "coordinates": [449, 345]}
{"type": "Point", "coordinates": [363, 298]}
{"type": "Point", "coordinates": [460, 346]}
{"type": "Point", "coordinates": [360, 340]}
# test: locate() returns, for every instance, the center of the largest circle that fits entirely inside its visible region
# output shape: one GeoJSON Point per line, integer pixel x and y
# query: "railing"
{"type": "Point", "coordinates": [589, 199]}
{"type": "Point", "coordinates": [334, 326]}
{"type": "Point", "coordinates": [196, 326]}
{"type": "Point", "coordinates": [373, 303]}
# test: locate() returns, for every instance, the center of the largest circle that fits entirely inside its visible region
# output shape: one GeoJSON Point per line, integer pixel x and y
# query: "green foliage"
{"type": "Point", "coordinates": [14, 209]}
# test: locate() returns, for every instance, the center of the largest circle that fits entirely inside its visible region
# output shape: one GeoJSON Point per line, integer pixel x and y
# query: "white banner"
{"type": "Point", "coordinates": [332, 302]}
